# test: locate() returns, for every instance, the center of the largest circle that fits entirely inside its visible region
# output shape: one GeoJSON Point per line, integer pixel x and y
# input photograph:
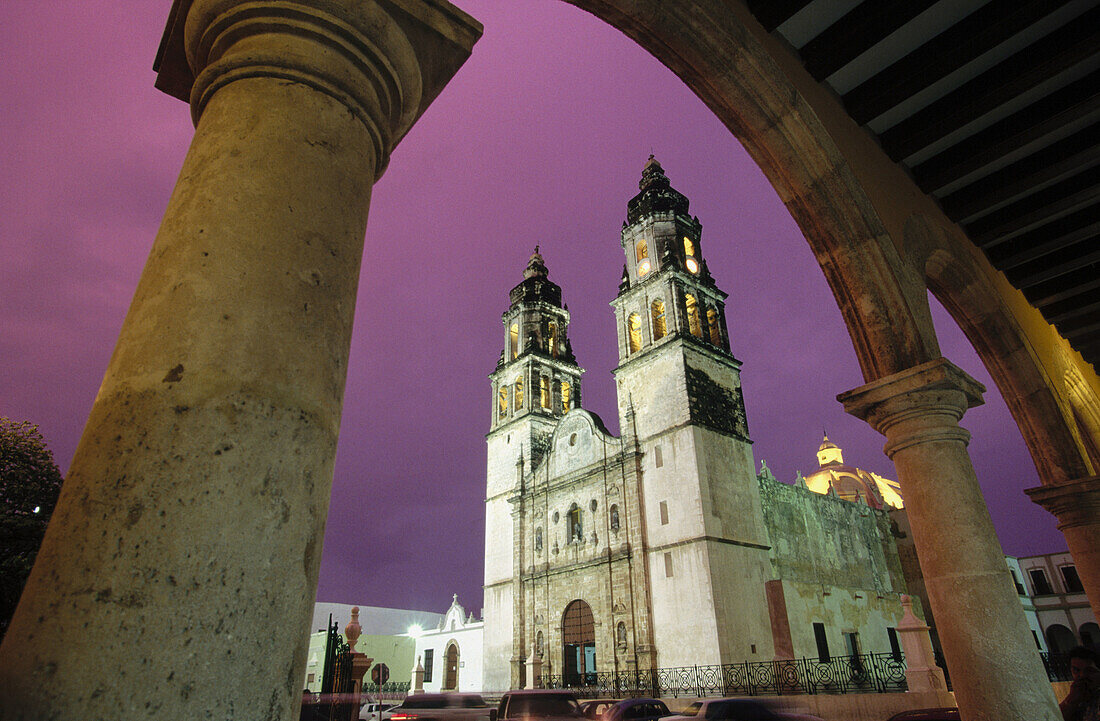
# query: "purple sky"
{"type": "Point", "coordinates": [540, 138]}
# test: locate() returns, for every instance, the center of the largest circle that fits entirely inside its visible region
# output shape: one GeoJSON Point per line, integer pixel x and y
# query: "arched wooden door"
{"type": "Point", "coordinates": [578, 634]}
{"type": "Point", "coordinates": [450, 677]}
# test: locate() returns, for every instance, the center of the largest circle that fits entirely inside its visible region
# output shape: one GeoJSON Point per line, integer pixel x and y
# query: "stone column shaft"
{"type": "Point", "coordinates": [995, 669]}
{"type": "Point", "coordinates": [177, 577]}
{"type": "Point", "coordinates": [1076, 505]}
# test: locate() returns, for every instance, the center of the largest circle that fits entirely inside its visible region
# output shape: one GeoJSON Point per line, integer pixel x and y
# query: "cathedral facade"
{"type": "Point", "coordinates": [660, 547]}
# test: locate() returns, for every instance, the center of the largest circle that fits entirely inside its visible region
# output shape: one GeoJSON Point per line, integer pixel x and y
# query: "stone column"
{"type": "Point", "coordinates": [995, 669]}
{"type": "Point", "coordinates": [534, 670]}
{"type": "Point", "coordinates": [417, 678]}
{"type": "Point", "coordinates": [177, 577]}
{"type": "Point", "coordinates": [921, 672]}
{"type": "Point", "coordinates": [1076, 505]}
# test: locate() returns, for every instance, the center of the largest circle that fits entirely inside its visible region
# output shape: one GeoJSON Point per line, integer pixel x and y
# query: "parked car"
{"type": "Point", "coordinates": [441, 707]}
{"type": "Point", "coordinates": [542, 704]}
{"type": "Point", "coordinates": [637, 709]}
{"type": "Point", "coordinates": [595, 708]}
{"type": "Point", "coordinates": [927, 714]}
{"type": "Point", "coordinates": [370, 709]}
{"type": "Point", "coordinates": [739, 709]}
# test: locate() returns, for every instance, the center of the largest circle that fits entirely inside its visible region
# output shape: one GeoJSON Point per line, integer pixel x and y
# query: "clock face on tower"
{"type": "Point", "coordinates": [643, 268]}
{"type": "Point", "coordinates": [692, 265]}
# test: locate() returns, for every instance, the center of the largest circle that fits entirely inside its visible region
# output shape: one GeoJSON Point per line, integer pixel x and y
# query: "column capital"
{"type": "Point", "coordinates": [385, 60]}
{"type": "Point", "coordinates": [1073, 503]}
{"type": "Point", "coordinates": [916, 405]}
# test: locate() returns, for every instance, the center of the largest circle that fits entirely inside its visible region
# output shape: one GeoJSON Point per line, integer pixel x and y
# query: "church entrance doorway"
{"type": "Point", "coordinates": [578, 634]}
{"type": "Point", "coordinates": [450, 662]}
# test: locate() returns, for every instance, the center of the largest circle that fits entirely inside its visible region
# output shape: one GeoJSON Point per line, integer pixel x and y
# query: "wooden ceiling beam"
{"type": "Point", "coordinates": [773, 13]}
{"type": "Point", "coordinates": [855, 33]}
{"type": "Point", "coordinates": [977, 33]}
{"type": "Point", "coordinates": [1038, 63]}
{"type": "Point", "coordinates": [1052, 112]}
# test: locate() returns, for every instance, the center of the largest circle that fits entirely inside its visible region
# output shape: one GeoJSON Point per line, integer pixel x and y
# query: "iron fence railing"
{"type": "Point", "coordinates": [389, 691]}
{"type": "Point", "coordinates": [1056, 665]}
{"type": "Point", "coordinates": [863, 673]}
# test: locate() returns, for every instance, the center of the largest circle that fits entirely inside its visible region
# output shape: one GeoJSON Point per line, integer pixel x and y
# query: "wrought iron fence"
{"type": "Point", "coordinates": [1056, 665]}
{"type": "Point", "coordinates": [388, 692]}
{"type": "Point", "coordinates": [864, 673]}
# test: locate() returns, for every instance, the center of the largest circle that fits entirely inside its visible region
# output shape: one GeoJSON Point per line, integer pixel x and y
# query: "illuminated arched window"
{"type": "Point", "coordinates": [513, 340]}
{"type": "Point", "coordinates": [712, 322]}
{"type": "Point", "coordinates": [695, 327]}
{"type": "Point", "coordinates": [573, 524]}
{"type": "Point", "coordinates": [544, 391]}
{"type": "Point", "coordinates": [552, 339]}
{"type": "Point", "coordinates": [689, 247]}
{"type": "Point", "coordinates": [519, 393]}
{"type": "Point", "coordinates": [660, 328]}
{"type": "Point", "coordinates": [565, 396]}
{"type": "Point", "coordinates": [503, 402]}
{"type": "Point", "coordinates": [641, 250]}
{"type": "Point", "coordinates": [634, 328]}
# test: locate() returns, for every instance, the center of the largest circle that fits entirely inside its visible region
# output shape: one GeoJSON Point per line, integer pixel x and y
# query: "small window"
{"type": "Point", "coordinates": [641, 250]}
{"type": "Point", "coordinates": [552, 339]}
{"type": "Point", "coordinates": [614, 518]}
{"type": "Point", "coordinates": [429, 658]}
{"type": "Point", "coordinates": [573, 523]}
{"type": "Point", "coordinates": [565, 396]}
{"type": "Point", "coordinates": [664, 513]}
{"type": "Point", "coordinates": [657, 460]}
{"type": "Point", "coordinates": [713, 327]}
{"type": "Point", "coordinates": [544, 391]}
{"type": "Point", "coordinates": [668, 565]}
{"type": "Point", "coordinates": [689, 247]}
{"type": "Point", "coordinates": [513, 340]}
{"type": "Point", "coordinates": [1039, 582]}
{"type": "Point", "coordinates": [660, 327]}
{"type": "Point", "coordinates": [1073, 581]}
{"type": "Point", "coordinates": [851, 642]}
{"type": "Point", "coordinates": [895, 647]}
{"type": "Point", "coordinates": [634, 326]}
{"type": "Point", "coordinates": [695, 326]}
{"type": "Point", "coordinates": [519, 393]}
{"type": "Point", "coordinates": [1016, 582]}
{"type": "Point", "coordinates": [822, 642]}
{"type": "Point", "coordinates": [311, 678]}
{"type": "Point", "coordinates": [503, 402]}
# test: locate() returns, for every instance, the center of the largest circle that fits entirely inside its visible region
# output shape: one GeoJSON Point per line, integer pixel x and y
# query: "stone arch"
{"type": "Point", "coordinates": [578, 634]}
{"type": "Point", "coordinates": [1089, 632]}
{"type": "Point", "coordinates": [958, 280]}
{"type": "Point", "coordinates": [451, 660]}
{"type": "Point", "coordinates": [1059, 638]}
{"type": "Point", "coordinates": [1085, 411]}
{"type": "Point", "coordinates": [726, 65]}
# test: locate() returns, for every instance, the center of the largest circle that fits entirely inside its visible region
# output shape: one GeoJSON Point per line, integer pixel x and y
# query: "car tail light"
{"type": "Point", "coordinates": [403, 716]}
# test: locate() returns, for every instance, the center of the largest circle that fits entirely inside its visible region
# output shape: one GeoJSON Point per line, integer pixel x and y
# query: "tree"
{"type": "Point", "coordinates": [30, 483]}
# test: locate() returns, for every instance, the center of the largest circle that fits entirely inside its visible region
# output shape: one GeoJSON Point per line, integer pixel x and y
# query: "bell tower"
{"type": "Point", "coordinates": [679, 394]}
{"type": "Point", "coordinates": [536, 382]}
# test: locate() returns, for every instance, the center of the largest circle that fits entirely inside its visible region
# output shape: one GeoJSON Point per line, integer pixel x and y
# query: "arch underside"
{"type": "Point", "coordinates": [829, 174]}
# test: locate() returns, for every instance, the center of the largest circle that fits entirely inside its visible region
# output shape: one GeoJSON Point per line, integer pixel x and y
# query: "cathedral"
{"type": "Point", "coordinates": [663, 546]}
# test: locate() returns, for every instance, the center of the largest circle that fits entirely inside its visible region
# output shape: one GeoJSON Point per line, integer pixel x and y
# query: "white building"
{"type": "Point", "coordinates": [451, 652]}
{"type": "Point", "coordinates": [1060, 602]}
{"type": "Point", "coordinates": [385, 638]}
